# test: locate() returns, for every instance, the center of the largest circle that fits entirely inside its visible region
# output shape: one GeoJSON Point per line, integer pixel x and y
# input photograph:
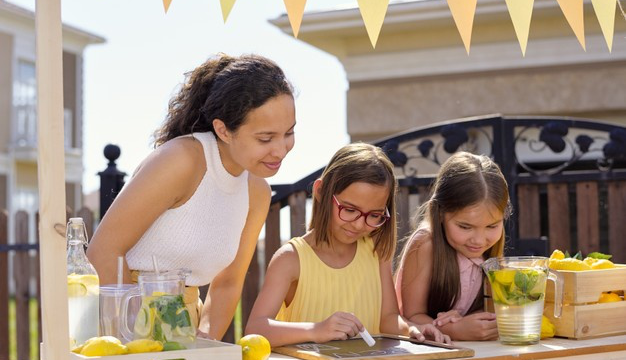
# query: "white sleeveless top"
{"type": "Point", "coordinates": [203, 234]}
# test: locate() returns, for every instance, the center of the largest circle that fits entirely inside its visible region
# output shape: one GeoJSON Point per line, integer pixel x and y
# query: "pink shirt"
{"type": "Point", "coordinates": [471, 281]}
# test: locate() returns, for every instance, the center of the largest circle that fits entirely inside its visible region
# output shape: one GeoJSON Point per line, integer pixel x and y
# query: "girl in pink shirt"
{"type": "Point", "coordinates": [439, 279]}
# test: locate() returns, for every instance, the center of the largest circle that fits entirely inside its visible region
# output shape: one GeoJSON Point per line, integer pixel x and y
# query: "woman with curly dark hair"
{"type": "Point", "coordinates": [199, 200]}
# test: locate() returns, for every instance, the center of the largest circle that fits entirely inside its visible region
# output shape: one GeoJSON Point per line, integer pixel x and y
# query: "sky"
{"type": "Point", "coordinates": [129, 79]}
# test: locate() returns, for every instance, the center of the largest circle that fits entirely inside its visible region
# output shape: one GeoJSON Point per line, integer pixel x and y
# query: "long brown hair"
{"type": "Point", "coordinates": [226, 88]}
{"type": "Point", "coordinates": [464, 180]}
{"type": "Point", "coordinates": [358, 162]}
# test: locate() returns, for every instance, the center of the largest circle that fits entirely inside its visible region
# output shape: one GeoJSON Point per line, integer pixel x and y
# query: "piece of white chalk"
{"type": "Point", "coordinates": [367, 337]}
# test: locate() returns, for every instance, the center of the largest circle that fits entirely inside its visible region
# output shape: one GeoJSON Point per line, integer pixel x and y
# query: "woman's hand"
{"type": "Point", "coordinates": [477, 326]}
{"type": "Point", "coordinates": [338, 326]}
{"type": "Point", "coordinates": [444, 318]}
{"type": "Point", "coordinates": [430, 331]}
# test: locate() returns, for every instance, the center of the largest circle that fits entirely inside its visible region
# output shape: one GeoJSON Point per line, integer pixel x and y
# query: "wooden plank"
{"type": "Point", "coordinates": [250, 289]}
{"type": "Point", "coordinates": [38, 277]}
{"type": "Point", "coordinates": [559, 234]}
{"type": "Point", "coordinates": [297, 210]}
{"type": "Point", "coordinates": [586, 321]}
{"type": "Point", "coordinates": [272, 232]}
{"type": "Point", "coordinates": [403, 212]}
{"type": "Point", "coordinates": [587, 217]}
{"type": "Point", "coordinates": [4, 287]}
{"type": "Point", "coordinates": [529, 216]}
{"type": "Point", "coordinates": [21, 274]}
{"type": "Point", "coordinates": [617, 220]}
{"type": "Point", "coordinates": [51, 180]}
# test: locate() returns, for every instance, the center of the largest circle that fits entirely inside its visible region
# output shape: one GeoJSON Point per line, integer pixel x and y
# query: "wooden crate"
{"type": "Point", "coordinates": [582, 316]}
{"type": "Point", "coordinates": [205, 349]}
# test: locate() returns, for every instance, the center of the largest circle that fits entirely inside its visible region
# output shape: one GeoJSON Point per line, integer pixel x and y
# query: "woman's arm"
{"type": "Point", "coordinates": [173, 166]}
{"type": "Point", "coordinates": [226, 287]}
{"type": "Point", "coordinates": [413, 278]}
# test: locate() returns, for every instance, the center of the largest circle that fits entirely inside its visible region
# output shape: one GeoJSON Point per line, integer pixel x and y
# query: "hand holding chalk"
{"type": "Point", "coordinates": [367, 337]}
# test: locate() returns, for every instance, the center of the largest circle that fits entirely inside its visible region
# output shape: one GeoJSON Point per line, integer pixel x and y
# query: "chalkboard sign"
{"type": "Point", "coordinates": [387, 347]}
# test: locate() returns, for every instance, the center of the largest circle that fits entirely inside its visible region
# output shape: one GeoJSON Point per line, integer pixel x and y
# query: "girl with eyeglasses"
{"type": "Point", "coordinates": [336, 280]}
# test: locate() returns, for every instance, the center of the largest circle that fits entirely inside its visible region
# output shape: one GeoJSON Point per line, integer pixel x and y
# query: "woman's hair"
{"type": "Point", "coordinates": [464, 180]}
{"type": "Point", "coordinates": [225, 88]}
{"type": "Point", "coordinates": [358, 162]}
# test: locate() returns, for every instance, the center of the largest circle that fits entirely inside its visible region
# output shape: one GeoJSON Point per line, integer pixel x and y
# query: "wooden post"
{"type": "Point", "coordinates": [51, 180]}
{"type": "Point", "coordinates": [21, 274]}
{"type": "Point", "coordinates": [297, 210]}
{"type": "Point", "coordinates": [4, 287]}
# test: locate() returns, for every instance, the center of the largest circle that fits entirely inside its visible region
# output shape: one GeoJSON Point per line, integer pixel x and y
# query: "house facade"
{"type": "Point", "coordinates": [18, 110]}
{"type": "Point", "coordinates": [419, 73]}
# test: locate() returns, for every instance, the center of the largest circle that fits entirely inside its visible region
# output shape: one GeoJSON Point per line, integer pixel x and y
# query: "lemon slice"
{"type": "Point", "coordinates": [184, 331]}
{"type": "Point", "coordinates": [505, 277]}
{"type": "Point", "coordinates": [143, 325]}
{"type": "Point", "coordinates": [75, 289]}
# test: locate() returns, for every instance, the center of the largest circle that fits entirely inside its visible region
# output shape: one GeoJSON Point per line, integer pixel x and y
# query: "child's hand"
{"type": "Point", "coordinates": [421, 332]}
{"type": "Point", "coordinates": [447, 317]}
{"type": "Point", "coordinates": [338, 326]}
{"type": "Point", "coordinates": [476, 326]}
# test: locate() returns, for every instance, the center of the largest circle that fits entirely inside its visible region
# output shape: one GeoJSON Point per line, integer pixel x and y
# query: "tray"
{"type": "Point", "coordinates": [205, 349]}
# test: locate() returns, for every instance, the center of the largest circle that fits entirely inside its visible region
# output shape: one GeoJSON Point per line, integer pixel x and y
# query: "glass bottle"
{"type": "Point", "coordinates": [83, 286]}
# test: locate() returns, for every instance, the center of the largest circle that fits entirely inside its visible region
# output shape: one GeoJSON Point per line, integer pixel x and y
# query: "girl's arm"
{"type": "Point", "coordinates": [226, 287]}
{"type": "Point", "coordinates": [392, 322]}
{"type": "Point", "coordinates": [173, 166]}
{"type": "Point", "coordinates": [413, 278]}
{"type": "Point", "coordinates": [280, 279]}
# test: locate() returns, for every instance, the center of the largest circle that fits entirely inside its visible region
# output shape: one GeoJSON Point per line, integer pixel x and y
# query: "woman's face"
{"type": "Point", "coordinates": [474, 229]}
{"type": "Point", "coordinates": [359, 196]}
{"type": "Point", "coordinates": [264, 139]}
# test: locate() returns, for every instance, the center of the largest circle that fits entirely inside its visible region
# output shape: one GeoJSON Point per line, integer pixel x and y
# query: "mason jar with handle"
{"type": "Point", "coordinates": [163, 315]}
{"type": "Point", "coordinates": [518, 286]}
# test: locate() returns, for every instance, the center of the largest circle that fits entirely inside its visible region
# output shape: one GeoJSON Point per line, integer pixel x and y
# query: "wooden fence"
{"type": "Point", "coordinates": [25, 270]}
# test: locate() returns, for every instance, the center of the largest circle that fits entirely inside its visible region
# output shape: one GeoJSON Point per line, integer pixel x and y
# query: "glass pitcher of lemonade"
{"type": "Point", "coordinates": [163, 315]}
{"type": "Point", "coordinates": [518, 286]}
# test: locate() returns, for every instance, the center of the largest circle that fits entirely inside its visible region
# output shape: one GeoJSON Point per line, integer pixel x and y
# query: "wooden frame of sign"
{"type": "Point", "coordinates": [387, 347]}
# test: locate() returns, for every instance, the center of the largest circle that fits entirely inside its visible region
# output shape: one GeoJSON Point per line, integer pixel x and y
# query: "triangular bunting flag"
{"type": "Point", "coordinates": [166, 4]}
{"type": "Point", "coordinates": [521, 12]}
{"type": "Point", "coordinates": [605, 11]}
{"type": "Point", "coordinates": [573, 11]}
{"type": "Point", "coordinates": [295, 10]}
{"type": "Point", "coordinates": [373, 13]}
{"type": "Point", "coordinates": [463, 14]}
{"type": "Point", "coordinates": [227, 6]}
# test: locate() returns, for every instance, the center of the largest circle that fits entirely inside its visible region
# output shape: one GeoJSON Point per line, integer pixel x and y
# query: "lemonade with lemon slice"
{"type": "Point", "coordinates": [164, 317]}
{"type": "Point", "coordinates": [518, 296]}
{"type": "Point", "coordinates": [83, 286]}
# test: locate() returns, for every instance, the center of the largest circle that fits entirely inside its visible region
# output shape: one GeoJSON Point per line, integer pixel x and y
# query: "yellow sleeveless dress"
{"type": "Point", "coordinates": [322, 290]}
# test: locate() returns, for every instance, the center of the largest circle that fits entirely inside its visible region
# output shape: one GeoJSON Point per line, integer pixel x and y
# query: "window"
{"type": "Point", "coordinates": [25, 104]}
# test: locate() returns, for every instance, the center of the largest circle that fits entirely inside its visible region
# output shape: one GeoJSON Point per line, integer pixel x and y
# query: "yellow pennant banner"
{"type": "Point", "coordinates": [573, 11]}
{"type": "Point", "coordinates": [295, 10]}
{"type": "Point", "coordinates": [605, 11]}
{"type": "Point", "coordinates": [373, 13]}
{"type": "Point", "coordinates": [463, 14]}
{"type": "Point", "coordinates": [227, 6]}
{"type": "Point", "coordinates": [521, 12]}
{"type": "Point", "coordinates": [166, 4]}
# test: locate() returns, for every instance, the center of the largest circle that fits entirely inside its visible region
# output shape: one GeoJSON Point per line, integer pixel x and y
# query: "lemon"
{"type": "Point", "coordinates": [103, 346]}
{"type": "Point", "coordinates": [557, 254]}
{"type": "Point", "coordinates": [254, 347]}
{"type": "Point", "coordinates": [143, 346]}
{"type": "Point", "coordinates": [609, 297]}
{"type": "Point", "coordinates": [568, 264]}
{"type": "Point", "coordinates": [143, 323]}
{"type": "Point", "coordinates": [505, 277]}
{"type": "Point", "coordinates": [547, 328]}
{"type": "Point", "coordinates": [602, 264]}
{"type": "Point", "coordinates": [75, 289]}
{"type": "Point", "coordinates": [590, 261]}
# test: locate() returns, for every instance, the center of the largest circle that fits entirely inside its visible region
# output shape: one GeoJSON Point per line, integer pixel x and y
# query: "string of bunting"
{"type": "Point", "coordinates": [373, 13]}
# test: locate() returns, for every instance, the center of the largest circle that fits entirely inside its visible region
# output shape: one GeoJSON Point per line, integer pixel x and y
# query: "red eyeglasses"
{"type": "Point", "coordinates": [373, 218]}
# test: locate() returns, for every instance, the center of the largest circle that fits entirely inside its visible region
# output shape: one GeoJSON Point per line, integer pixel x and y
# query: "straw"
{"type": "Point", "coordinates": [154, 263]}
{"type": "Point", "coordinates": [120, 271]}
